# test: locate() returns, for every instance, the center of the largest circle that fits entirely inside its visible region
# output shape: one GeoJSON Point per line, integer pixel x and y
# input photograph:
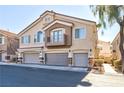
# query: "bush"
{"type": "Point", "coordinates": [108, 60]}
{"type": "Point", "coordinates": [99, 62]}
{"type": "Point", "coordinates": [118, 65]}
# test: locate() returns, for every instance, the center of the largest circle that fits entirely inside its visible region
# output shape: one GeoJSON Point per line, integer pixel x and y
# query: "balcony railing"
{"type": "Point", "coordinates": [58, 43]}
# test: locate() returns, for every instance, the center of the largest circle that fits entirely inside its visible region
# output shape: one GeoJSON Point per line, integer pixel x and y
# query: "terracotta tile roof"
{"type": "Point", "coordinates": [7, 33]}
{"type": "Point", "coordinates": [55, 14]}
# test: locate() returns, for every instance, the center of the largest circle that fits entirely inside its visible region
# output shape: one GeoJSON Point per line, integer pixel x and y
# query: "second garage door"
{"type": "Point", "coordinates": [31, 58]}
{"type": "Point", "coordinates": [57, 59]}
{"type": "Point", "coordinates": [81, 59]}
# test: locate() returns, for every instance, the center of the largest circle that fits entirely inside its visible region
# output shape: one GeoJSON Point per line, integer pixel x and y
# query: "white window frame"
{"type": "Point", "coordinates": [80, 28]}
{"type": "Point", "coordinates": [25, 37]}
{"type": "Point", "coordinates": [3, 39]}
{"type": "Point", "coordinates": [54, 30]}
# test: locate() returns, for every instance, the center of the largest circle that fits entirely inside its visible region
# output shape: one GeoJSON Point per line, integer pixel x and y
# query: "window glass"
{"type": "Point", "coordinates": [26, 39]}
{"type": "Point", "coordinates": [40, 37]}
{"type": "Point", "coordinates": [0, 40]}
{"type": "Point", "coordinates": [80, 33]}
{"type": "Point", "coordinates": [77, 33]}
{"type": "Point", "coordinates": [57, 36]}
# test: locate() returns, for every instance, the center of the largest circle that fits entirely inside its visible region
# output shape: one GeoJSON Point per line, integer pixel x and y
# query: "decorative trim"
{"type": "Point", "coordinates": [58, 21]}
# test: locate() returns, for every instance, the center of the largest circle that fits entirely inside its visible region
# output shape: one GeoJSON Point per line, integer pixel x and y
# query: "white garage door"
{"type": "Point", "coordinates": [31, 58]}
{"type": "Point", "coordinates": [57, 59]}
{"type": "Point", "coordinates": [81, 59]}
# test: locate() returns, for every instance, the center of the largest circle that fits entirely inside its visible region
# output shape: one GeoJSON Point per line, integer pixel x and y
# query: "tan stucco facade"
{"type": "Point", "coordinates": [105, 48]}
{"type": "Point", "coordinates": [115, 44]}
{"type": "Point", "coordinates": [76, 45]}
{"type": "Point", "coordinates": [9, 45]}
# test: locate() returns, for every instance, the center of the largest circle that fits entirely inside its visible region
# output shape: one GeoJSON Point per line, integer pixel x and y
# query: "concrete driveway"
{"type": "Point", "coordinates": [104, 80]}
{"type": "Point", "coordinates": [14, 76]}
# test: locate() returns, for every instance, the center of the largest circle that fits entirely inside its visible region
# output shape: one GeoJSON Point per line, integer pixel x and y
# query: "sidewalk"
{"type": "Point", "coordinates": [64, 68]}
{"type": "Point", "coordinates": [110, 78]}
{"type": "Point", "coordinates": [109, 70]}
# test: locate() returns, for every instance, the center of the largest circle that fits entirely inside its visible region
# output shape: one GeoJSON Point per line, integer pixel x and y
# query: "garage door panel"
{"type": "Point", "coordinates": [31, 58]}
{"type": "Point", "coordinates": [81, 59]}
{"type": "Point", "coordinates": [57, 59]}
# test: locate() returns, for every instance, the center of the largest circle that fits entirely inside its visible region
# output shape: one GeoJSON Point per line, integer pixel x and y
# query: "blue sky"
{"type": "Point", "coordinates": [16, 18]}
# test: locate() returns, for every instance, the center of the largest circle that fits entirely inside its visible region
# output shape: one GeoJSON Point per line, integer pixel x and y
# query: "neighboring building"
{"type": "Point", "coordinates": [115, 44]}
{"type": "Point", "coordinates": [57, 38]}
{"type": "Point", "coordinates": [8, 45]}
{"type": "Point", "coordinates": [105, 48]}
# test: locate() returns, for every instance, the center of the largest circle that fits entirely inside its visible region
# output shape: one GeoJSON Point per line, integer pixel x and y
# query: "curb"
{"type": "Point", "coordinates": [75, 69]}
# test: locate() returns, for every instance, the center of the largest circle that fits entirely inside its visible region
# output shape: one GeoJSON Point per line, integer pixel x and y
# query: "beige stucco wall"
{"type": "Point", "coordinates": [4, 46]}
{"type": "Point", "coordinates": [115, 45]}
{"type": "Point", "coordinates": [78, 45]}
{"type": "Point", "coordinates": [105, 48]}
{"type": "Point", "coordinates": [32, 31]}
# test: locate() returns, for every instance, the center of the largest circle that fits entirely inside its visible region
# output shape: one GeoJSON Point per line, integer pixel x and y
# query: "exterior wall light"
{"type": "Point", "coordinates": [41, 56]}
{"type": "Point", "coordinates": [70, 56]}
{"type": "Point", "coordinates": [20, 58]}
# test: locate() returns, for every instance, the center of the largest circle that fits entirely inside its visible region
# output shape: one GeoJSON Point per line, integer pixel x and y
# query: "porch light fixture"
{"type": "Point", "coordinates": [90, 55]}
{"type": "Point", "coordinates": [70, 55]}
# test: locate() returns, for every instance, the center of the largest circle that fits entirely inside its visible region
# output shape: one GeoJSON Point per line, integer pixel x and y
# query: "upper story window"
{"type": "Point", "coordinates": [1, 40]}
{"type": "Point", "coordinates": [47, 19]}
{"type": "Point", "coordinates": [57, 35]}
{"type": "Point", "coordinates": [80, 33]}
{"type": "Point", "coordinates": [39, 37]}
{"type": "Point", "coordinates": [25, 39]}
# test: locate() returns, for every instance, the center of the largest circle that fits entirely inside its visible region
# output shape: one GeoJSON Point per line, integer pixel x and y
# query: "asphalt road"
{"type": "Point", "coordinates": [13, 76]}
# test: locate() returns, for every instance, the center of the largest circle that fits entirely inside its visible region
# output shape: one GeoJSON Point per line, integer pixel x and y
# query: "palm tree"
{"type": "Point", "coordinates": [111, 14]}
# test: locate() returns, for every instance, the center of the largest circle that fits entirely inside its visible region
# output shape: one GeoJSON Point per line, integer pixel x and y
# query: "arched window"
{"type": "Point", "coordinates": [39, 37]}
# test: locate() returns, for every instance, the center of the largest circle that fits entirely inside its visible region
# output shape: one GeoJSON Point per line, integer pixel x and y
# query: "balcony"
{"type": "Point", "coordinates": [58, 43]}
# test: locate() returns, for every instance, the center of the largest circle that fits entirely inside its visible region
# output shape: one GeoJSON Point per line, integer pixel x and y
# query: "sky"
{"type": "Point", "coordinates": [15, 18]}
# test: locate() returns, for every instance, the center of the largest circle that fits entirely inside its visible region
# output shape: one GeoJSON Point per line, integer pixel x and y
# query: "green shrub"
{"type": "Point", "coordinates": [118, 65]}
{"type": "Point", "coordinates": [108, 60]}
{"type": "Point", "coordinates": [99, 62]}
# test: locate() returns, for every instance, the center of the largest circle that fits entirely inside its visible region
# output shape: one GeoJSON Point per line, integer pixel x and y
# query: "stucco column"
{"type": "Point", "coordinates": [70, 56]}
{"type": "Point", "coordinates": [41, 56]}
{"type": "Point", "coordinates": [20, 57]}
{"type": "Point", "coordinates": [90, 58]}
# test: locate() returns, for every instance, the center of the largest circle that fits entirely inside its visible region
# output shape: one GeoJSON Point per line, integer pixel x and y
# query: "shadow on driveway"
{"type": "Point", "coordinates": [13, 76]}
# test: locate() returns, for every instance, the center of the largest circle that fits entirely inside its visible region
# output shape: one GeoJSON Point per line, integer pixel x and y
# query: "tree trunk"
{"type": "Point", "coordinates": [121, 44]}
